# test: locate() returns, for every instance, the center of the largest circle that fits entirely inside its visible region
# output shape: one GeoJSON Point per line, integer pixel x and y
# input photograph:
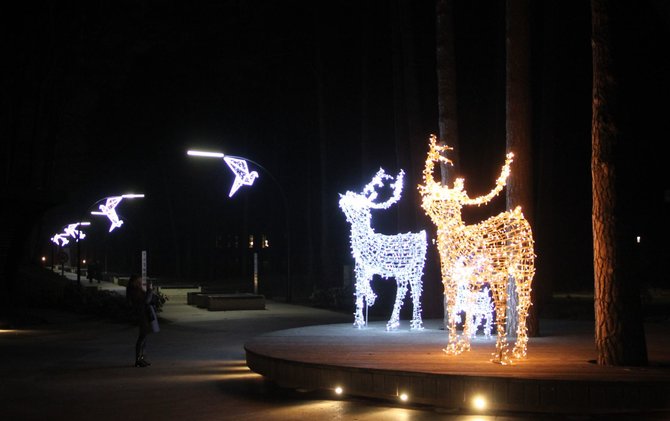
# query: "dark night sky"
{"type": "Point", "coordinates": [108, 96]}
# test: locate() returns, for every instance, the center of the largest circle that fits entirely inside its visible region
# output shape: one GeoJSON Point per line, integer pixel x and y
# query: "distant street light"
{"type": "Point", "coordinates": [238, 165]}
{"type": "Point", "coordinates": [70, 230]}
{"type": "Point", "coordinates": [206, 154]}
{"type": "Point", "coordinates": [109, 208]}
{"type": "Point", "coordinates": [74, 231]}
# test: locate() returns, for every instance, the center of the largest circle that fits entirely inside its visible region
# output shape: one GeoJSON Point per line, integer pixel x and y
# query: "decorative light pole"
{"type": "Point", "coordinates": [108, 209]}
{"type": "Point", "coordinates": [244, 177]}
{"type": "Point", "coordinates": [72, 230]}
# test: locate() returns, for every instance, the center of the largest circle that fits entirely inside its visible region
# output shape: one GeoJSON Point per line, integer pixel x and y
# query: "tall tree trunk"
{"type": "Point", "coordinates": [325, 267]}
{"type": "Point", "coordinates": [619, 330]}
{"type": "Point", "coordinates": [446, 87]}
{"type": "Point", "coordinates": [410, 137]}
{"type": "Point", "coordinates": [519, 125]}
{"type": "Point", "coordinates": [366, 51]}
{"type": "Point", "coordinates": [446, 96]}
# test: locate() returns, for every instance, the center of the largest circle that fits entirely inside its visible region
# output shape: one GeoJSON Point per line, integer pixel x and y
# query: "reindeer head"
{"type": "Point", "coordinates": [456, 197]}
{"type": "Point", "coordinates": [357, 205]}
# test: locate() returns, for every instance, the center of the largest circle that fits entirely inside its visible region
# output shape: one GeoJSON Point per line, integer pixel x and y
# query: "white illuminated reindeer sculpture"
{"type": "Point", "coordinates": [401, 256]}
{"type": "Point", "coordinates": [496, 250]}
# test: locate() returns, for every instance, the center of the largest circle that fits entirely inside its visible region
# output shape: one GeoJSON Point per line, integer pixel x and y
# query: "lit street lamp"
{"type": "Point", "coordinates": [72, 230]}
{"type": "Point", "coordinates": [244, 177]}
{"type": "Point", "coordinates": [108, 209]}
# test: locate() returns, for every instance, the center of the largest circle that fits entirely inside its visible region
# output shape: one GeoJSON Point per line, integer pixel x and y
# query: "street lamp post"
{"type": "Point", "coordinates": [238, 165]}
{"type": "Point", "coordinates": [109, 210]}
{"type": "Point", "coordinates": [79, 238]}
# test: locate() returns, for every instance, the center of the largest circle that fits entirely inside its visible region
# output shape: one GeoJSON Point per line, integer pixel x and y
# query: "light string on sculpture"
{"type": "Point", "coordinates": [239, 167]}
{"type": "Point", "coordinates": [497, 251]}
{"type": "Point", "coordinates": [401, 256]}
{"type": "Point", "coordinates": [476, 304]}
{"type": "Point", "coordinates": [109, 209]}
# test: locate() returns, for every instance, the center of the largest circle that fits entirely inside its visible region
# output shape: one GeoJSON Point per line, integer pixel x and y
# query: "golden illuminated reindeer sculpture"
{"type": "Point", "coordinates": [495, 251]}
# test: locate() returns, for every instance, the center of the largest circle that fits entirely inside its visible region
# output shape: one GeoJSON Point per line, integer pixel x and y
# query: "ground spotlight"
{"type": "Point", "coordinates": [403, 397]}
{"type": "Point", "coordinates": [479, 403]}
{"type": "Point", "coordinates": [339, 390]}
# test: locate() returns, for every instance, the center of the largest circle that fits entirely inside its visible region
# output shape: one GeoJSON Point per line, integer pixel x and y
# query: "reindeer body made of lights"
{"type": "Point", "coordinates": [401, 256]}
{"type": "Point", "coordinates": [476, 304]}
{"type": "Point", "coordinates": [501, 248]}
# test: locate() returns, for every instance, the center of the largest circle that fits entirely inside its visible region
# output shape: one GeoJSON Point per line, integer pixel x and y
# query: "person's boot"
{"type": "Point", "coordinates": [147, 363]}
{"type": "Point", "coordinates": [141, 363]}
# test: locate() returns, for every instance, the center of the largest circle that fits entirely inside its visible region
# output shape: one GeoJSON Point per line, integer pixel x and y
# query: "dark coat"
{"type": "Point", "coordinates": [142, 303]}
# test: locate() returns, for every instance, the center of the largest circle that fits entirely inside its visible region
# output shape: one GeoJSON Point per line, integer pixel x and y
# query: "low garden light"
{"type": "Point", "coordinates": [479, 403]}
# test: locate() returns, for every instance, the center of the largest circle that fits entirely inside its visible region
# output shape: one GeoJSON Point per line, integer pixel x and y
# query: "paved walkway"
{"type": "Point", "coordinates": [58, 365]}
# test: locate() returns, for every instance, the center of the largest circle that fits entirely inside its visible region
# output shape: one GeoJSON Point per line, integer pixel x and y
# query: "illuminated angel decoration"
{"type": "Point", "coordinates": [60, 239]}
{"type": "Point", "coordinates": [501, 248]}
{"type": "Point", "coordinates": [401, 256]}
{"type": "Point", "coordinates": [109, 209]}
{"type": "Point", "coordinates": [72, 231]}
{"type": "Point", "coordinates": [242, 175]}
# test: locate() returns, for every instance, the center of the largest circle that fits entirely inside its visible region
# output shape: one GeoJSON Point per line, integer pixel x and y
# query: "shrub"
{"type": "Point", "coordinates": [39, 287]}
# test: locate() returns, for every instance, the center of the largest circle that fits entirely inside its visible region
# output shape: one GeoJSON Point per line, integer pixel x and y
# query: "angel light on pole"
{"type": "Point", "coordinates": [71, 230]}
{"type": "Point", "coordinates": [243, 177]}
{"type": "Point", "coordinates": [108, 209]}
{"type": "Point", "coordinates": [239, 167]}
{"type": "Point", "coordinates": [74, 231]}
{"type": "Point", "coordinates": [60, 239]}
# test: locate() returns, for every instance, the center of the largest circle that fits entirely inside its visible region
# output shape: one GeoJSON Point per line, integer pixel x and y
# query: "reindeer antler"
{"type": "Point", "coordinates": [500, 183]}
{"type": "Point", "coordinates": [378, 181]}
{"type": "Point", "coordinates": [434, 155]}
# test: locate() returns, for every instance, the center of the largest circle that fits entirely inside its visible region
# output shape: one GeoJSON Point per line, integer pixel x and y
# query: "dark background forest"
{"type": "Point", "coordinates": [104, 98]}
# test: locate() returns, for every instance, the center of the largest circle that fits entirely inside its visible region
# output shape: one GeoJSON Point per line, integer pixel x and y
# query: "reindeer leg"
{"type": "Point", "coordinates": [394, 322]}
{"type": "Point", "coordinates": [455, 344]}
{"type": "Point", "coordinates": [476, 321]}
{"type": "Point", "coordinates": [359, 318]}
{"type": "Point", "coordinates": [501, 356]}
{"type": "Point", "coordinates": [523, 291]}
{"type": "Point", "coordinates": [415, 290]}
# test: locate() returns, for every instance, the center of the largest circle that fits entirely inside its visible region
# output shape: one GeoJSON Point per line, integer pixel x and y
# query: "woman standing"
{"type": "Point", "coordinates": [141, 298]}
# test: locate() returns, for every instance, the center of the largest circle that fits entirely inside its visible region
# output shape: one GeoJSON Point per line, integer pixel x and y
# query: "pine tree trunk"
{"type": "Point", "coordinates": [619, 330]}
{"type": "Point", "coordinates": [325, 270]}
{"type": "Point", "coordinates": [446, 86]}
{"type": "Point", "coordinates": [519, 124]}
{"type": "Point", "coordinates": [446, 96]}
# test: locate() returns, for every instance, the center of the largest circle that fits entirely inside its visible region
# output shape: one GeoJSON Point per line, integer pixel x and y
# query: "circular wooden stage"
{"type": "Point", "coordinates": [558, 376]}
